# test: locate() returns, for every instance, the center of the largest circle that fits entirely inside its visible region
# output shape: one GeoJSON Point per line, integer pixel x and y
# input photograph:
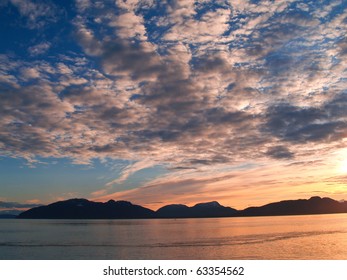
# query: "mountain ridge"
{"type": "Point", "coordinates": [80, 208]}
{"type": "Point", "coordinates": [200, 210]}
{"type": "Point", "coordinates": [313, 205]}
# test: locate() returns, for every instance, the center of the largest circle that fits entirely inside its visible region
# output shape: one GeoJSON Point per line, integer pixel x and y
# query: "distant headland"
{"type": "Point", "coordinates": [84, 209]}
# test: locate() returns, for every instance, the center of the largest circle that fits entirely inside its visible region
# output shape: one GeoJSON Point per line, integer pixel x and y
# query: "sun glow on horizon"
{"type": "Point", "coordinates": [341, 161]}
{"type": "Point", "coordinates": [343, 166]}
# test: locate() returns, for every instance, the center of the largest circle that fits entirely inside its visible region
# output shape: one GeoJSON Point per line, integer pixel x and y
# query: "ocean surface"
{"type": "Point", "coordinates": [288, 237]}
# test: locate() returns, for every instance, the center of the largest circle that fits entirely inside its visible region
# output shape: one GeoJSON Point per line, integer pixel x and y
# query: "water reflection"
{"type": "Point", "coordinates": [290, 237]}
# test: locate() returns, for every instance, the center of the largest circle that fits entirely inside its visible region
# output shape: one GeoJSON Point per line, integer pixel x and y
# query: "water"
{"type": "Point", "coordinates": [287, 237]}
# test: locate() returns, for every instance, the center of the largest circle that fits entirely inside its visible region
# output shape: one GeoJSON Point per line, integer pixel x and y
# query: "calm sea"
{"type": "Point", "coordinates": [287, 237]}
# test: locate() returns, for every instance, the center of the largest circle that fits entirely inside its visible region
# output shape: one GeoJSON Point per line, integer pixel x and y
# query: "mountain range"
{"type": "Point", "coordinates": [85, 209]}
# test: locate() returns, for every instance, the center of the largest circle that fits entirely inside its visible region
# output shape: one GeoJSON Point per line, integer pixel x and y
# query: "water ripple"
{"type": "Point", "coordinates": [210, 242]}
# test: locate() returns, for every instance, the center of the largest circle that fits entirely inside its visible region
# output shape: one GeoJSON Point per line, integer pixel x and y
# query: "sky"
{"type": "Point", "coordinates": [160, 102]}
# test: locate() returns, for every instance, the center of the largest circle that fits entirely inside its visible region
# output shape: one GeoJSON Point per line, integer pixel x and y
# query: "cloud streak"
{"type": "Point", "coordinates": [15, 205]}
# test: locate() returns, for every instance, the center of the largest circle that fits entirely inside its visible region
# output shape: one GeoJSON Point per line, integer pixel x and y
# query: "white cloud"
{"type": "Point", "coordinates": [30, 73]}
{"type": "Point", "coordinates": [131, 169]}
{"type": "Point", "coordinates": [39, 48]}
{"type": "Point", "coordinates": [83, 5]}
{"type": "Point", "coordinates": [186, 28]}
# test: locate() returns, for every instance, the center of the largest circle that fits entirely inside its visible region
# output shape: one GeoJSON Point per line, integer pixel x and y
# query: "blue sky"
{"type": "Point", "coordinates": [163, 102]}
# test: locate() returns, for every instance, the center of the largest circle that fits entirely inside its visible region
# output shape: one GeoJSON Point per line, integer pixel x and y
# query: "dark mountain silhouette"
{"type": "Point", "coordinates": [173, 211]}
{"type": "Point", "coordinates": [314, 205]}
{"type": "Point", "coordinates": [209, 209]}
{"type": "Point", "coordinates": [85, 209]}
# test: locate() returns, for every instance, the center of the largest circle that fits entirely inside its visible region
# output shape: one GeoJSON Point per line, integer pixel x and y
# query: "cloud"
{"type": "Point", "coordinates": [129, 170]}
{"type": "Point", "coordinates": [39, 48]}
{"type": "Point", "coordinates": [185, 84]}
{"type": "Point", "coordinates": [137, 60]}
{"type": "Point", "coordinates": [297, 124]}
{"type": "Point", "coordinates": [29, 73]}
{"type": "Point", "coordinates": [279, 152]}
{"type": "Point", "coordinates": [36, 13]}
{"type": "Point", "coordinates": [187, 28]}
{"type": "Point", "coordinates": [128, 26]}
{"type": "Point", "coordinates": [16, 205]}
{"type": "Point", "coordinates": [83, 5]}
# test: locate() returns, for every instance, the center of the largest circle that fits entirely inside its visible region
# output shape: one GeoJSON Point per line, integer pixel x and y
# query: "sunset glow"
{"type": "Point", "coordinates": [343, 166]}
